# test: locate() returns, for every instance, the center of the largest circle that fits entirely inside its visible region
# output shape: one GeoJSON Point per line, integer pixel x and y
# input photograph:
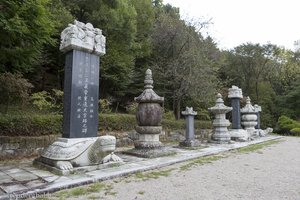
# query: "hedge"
{"type": "Point", "coordinates": [30, 125]}
{"type": "Point", "coordinates": [36, 125]}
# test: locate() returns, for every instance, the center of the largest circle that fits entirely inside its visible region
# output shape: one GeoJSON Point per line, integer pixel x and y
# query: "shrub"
{"type": "Point", "coordinates": [46, 101]}
{"type": "Point", "coordinates": [13, 89]}
{"type": "Point", "coordinates": [169, 115]}
{"type": "Point", "coordinates": [131, 108]}
{"type": "Point", "coordinates": [295, 131]}
{"type": "Point", "coordinates": [286, 124]}
{"type": "Point", "coordinates": [104, 106]}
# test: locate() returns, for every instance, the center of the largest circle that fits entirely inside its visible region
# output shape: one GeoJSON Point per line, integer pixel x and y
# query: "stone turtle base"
{"type": "Point", "coordinates": [38, 163]}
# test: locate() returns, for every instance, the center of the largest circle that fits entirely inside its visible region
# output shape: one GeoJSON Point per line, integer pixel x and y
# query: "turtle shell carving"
{"type": "Point", "coordinates": [61, 150]}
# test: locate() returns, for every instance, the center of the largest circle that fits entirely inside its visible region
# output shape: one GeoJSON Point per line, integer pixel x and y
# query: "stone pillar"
{"type": "Point", "coordinates": [235, 94]}
{"type": "Point", "coordinates": [149, 115]}
{"type": "Point", "coordinates": [258, 111]}
{"type": "Point", "coordinates": [236, 133]}
{"type": "Point", "coordinates": [80, 146]}
{"type": "Point", "coordinates": [249, 119]}
{"type": "Point", "coordinates": [190, 140]}
{"type": "Point", "coordinates": [220, 123]}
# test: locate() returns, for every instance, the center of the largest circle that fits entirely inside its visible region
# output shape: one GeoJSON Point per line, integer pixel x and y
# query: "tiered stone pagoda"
{"type": "Point", "coordinates": [220, 123]}
{"type": "Point", "coordinates": [149, 115]}
{"type": "Point", "coordinates": [249, 119]}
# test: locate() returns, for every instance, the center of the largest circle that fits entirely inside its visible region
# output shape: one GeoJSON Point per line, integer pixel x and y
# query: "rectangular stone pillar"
{"type": "Point", "coordinates": [81, 95]}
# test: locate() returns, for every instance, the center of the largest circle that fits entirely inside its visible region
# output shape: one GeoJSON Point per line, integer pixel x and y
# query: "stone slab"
{"type": "Point", "coordinates": [35, 183]}
{"type": "Point", "coordinates": [23, 176]}
{"type": "Point", "coordinates": [13, 188]}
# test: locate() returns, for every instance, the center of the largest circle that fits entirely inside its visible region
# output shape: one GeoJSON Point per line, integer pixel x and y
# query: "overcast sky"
{"type": "Point", "coordinates": [240, 21]}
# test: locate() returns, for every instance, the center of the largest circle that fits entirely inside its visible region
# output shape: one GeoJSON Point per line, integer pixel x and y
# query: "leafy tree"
{"type": "Point", "coordinates": [249, 64]}
{"type": "Point", "coordinates": [25, 27]}
{"type": "Point", "coordinates": [117, 19]}
{"type": "Point", "coordinates": [183, 61]}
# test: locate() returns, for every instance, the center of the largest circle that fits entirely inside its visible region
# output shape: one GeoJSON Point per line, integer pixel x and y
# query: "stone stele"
{"type": "Point", "coordinates": [80, 146]}
{"type": "Point", "coordinates": [236, 133]}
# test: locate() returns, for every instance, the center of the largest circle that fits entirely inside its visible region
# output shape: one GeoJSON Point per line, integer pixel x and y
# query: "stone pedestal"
{"type": "Point", "coordinates": [249, 119]}
{"type": "Point", "coordinates": [80, 145]}
{"type": "Point", "coordinates": [190, 140]}
{"type": "Point", "coordinates": [220, 123]}
{"type": "Point", "coordinates": [236, 133]}
{"type": "Point", "coordinates": [148, 137]}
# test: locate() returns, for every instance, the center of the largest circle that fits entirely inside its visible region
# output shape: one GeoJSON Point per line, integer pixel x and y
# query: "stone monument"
{"type": "Point", "coordinates": [148, 116]}
{"type": "Point", "coordinates": [258, 111]}
{"type": "Point", "coordinates": [79, 145]}
{"type": "Point", "coordinates": [190, 140]}
{"type": "Point", "coordinates": [249, 119]}
{"type": "Point", "coordinates": [220, 123]}
{"type": "Point", "coordinates": [236, 133]}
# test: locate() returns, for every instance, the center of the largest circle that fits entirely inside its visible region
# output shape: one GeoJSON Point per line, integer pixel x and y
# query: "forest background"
{"type": "Point", "coordinates": [188, 67]}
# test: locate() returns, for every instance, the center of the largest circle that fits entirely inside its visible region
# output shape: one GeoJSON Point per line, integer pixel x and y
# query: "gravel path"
{"type": "Point", "coordinates": [271, 173]}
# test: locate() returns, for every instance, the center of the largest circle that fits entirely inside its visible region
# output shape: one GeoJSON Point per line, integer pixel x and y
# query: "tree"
{"type": "Point", "coordinates": [183, 61]}
{"type": "Point", "coordinates": [25, 27]}
{"type": "Point", "coordinates": [249, 64]}
{"type": "Point", "coordinates": [117, 19]}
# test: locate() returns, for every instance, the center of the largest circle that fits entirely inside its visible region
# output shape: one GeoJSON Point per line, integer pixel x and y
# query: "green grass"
{"type": "Point", "coordinates": [81, 191]}
{"type": "Point", "coordinates": [256, 147]}
{"type": "Point", "coordinates": [154, 175]}
{"type": "Point", "coordinates": [96, 187]}
{"type": "Point", "coordinates": [200, 161]}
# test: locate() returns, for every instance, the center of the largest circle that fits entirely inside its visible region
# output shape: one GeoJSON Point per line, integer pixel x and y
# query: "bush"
{"type": "Point", "coordinates": [295, 131]}
{"type": "Point", "coordinates": [131, 108]}
{"type": "Point", "coordinates": [46, 101]}
{"type": "Point", "coordinates": [286, 124]}
{"type": "Point", "coordinates": [104, 106]}
{"type": "Point", "coordinates": [13, 89]}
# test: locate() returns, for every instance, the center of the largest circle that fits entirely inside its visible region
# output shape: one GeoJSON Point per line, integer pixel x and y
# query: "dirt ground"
{"type": "Point", "coordinates": [270, 173]}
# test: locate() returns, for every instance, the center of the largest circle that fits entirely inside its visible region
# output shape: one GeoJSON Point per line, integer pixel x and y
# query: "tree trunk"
{"type": "Point", "coordinates": [177, 109]}
{"type": "Point", "coordinates": [256, 90]}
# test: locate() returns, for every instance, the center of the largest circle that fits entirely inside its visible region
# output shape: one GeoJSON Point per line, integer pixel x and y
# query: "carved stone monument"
{"type": "Point", "coordinates": [236, 133]}
{"type": "Point", "coordinates": [249, 119]}
{"type": "Point", "coordinates": [80, 145]}
{"type": "Point", "coordinates": [190, 140]}
{"type": "Point", "coordinates": [220, 123]}
{"type": "Point", "coordinates": [258, 111]}
{"type": "Point", "coordinates": [148, 116]}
